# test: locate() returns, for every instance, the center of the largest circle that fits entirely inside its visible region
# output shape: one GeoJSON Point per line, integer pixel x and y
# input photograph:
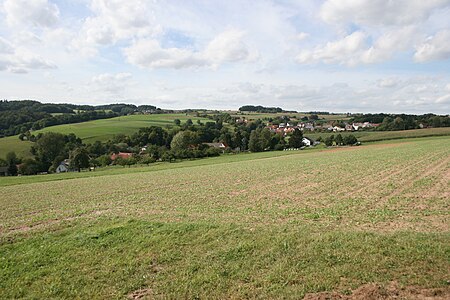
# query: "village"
{"type": "Point", "coordinates": [287, 128]}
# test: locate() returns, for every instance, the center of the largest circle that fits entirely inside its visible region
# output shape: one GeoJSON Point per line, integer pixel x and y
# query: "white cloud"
{"type": "Point", "coordinates": [391, 42]}
{"type": "Point", "coordinates": [113, 21]}
{"type": "Point", "coordinates": [226, 47]}
{"type": "Point", "coordinates": [19, 60]}
{"type": "Point", "coordinates": [390, 82]}
{"type": "Point", "coordinates": [302, 36]}
{"type": "Point", "coordinates": [150, 54]}
{"type": "Point", "coordinates": [393, 26]}
{"type": "Point", "coordinates": [345, 51]}
{"type": "Point", "coordinates": [434, 48]}
{"type": "Point", "coordinates": [40, 13]}
{"type": "Point", "coordinates": [5, 46]}
{"type": "Point", "coordinates": [443, 99]}
{"type": "Point", "coordinates": [111, 84]}
{"type": "Point", "coordinates": [379, 12]}
{"type": "Point", "coordinates": [354, 49]}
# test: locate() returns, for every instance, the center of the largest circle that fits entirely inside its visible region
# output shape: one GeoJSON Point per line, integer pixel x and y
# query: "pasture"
{"type": "Point", "coordinates": [97, 130]}
{"type": "Point", "coordinates": [276, 225]}
{"type": "Point", "coordinates": [102, 130]}
{"type": "Point", "coordinates": [375, 136]}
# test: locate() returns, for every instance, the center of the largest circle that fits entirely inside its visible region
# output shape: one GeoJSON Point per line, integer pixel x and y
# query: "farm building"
{"type": "Point", "coordinates": [123, 155]}
{"type": "Point", "coordinates": [63, 166]}
{"type": "Point", "coordinates": [307, 141]}
{"type": "Point", "coordinates": [220, 146]}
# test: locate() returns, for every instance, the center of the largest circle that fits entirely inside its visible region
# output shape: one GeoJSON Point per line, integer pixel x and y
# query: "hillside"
{"type": "Point", "coordinates": [271, 227]}
{"type": "Point", "coordinates": [101, 130]}
{"type": "Point", "coordinates": [373, 136]}
{"type": "Point", "coordinates": [105, 129]}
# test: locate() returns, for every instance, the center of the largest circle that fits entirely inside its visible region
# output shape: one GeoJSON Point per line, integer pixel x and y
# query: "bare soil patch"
{"type": "Point", "coordinates": [141, 294]}
{"type": "Point", "coordinates": [373, 291]}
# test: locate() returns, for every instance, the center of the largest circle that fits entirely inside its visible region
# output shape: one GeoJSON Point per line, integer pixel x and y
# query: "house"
{"type": "Point", "coordinates": [143, 149]}
{"type": "Point", "coordinates": [123, 155]}
{"type": "Point", "coordinates": [309, 126]}
{"type": "Point", "coordinates": [307, 142]}
{"type": "Point", "coordinates": [338, 129]}
{"type": "Point", "coordinates": [63, 166]}
{"type": "Point", "coordinates": [288, 130]}
{"type": "Point", "coordinates": [220, 146]}
{"type": "Point", "coordinates": [348, 127]}
{"type": "Point", "coordinates": [356, 126]}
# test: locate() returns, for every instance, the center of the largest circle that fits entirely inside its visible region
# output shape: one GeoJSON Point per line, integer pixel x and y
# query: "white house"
{"type": "Point", "coordinates": [307, 142]}
{"type": "Point", "coordinates": [63, 166]}
{"type": "Point", "coordinates": [337, 129]}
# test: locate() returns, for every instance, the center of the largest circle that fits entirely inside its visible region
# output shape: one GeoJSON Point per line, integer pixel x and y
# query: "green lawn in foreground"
{"type": "Point", "coordinates": [251, 226]}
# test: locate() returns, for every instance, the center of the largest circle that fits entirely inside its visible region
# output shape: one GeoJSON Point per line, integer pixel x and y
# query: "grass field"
{"type": "Point", "coordinates": [100, 130]}
{"type": "Point", "coordinates": [12, 143]}
{"type": "Point", "coordinates": [374, 136]}
{"type": "Point", "coordinates": [276, 225]}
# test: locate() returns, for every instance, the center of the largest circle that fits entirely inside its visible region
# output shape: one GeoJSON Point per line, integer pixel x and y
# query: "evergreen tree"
{"type": "Point", "coordinates": [296, 139]}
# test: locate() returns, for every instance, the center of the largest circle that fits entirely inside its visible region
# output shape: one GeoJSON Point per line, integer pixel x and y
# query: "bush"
{"type": "Point", "coordinates": [279, 147]}
{"type": "Point", "coordinates": [350, 140]}
{"type": "Point", "coordinates": [329, 141]}
{"type": "Point", "coordinates": [29, 167]}
{"type": "Point", "coordinates": [104, 160]}
{"type": "Point", "coordinates": [148, 160]}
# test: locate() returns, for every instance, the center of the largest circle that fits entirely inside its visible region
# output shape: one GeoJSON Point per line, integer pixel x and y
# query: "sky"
{"type": "Point", "coordinates": [308, 55]}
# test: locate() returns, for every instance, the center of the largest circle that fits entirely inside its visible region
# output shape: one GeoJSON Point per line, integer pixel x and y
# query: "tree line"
{"type": "Point", "coordinates": [402, 121]}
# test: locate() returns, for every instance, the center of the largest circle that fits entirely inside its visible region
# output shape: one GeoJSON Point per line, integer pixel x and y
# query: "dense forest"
{"type": "Point", "coordinates": [260, 109]}
{"type": "Point", "coordinates": [18, 117]}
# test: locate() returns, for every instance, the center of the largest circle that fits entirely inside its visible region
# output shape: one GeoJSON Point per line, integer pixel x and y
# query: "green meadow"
{"type": "Point", "coordinates": [268, 225]}
{"type": "Point", "coordinates": [98, 130]}
{"type": "Point", "coordinates": [102, 130]}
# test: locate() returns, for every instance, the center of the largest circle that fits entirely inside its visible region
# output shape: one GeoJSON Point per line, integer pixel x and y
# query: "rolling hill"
{"type": "Point", "coordinates": [100, 130]}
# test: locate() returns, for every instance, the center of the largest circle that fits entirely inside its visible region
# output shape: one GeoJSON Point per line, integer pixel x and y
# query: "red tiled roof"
{"type": "Point", "coordinates": [121, 154]}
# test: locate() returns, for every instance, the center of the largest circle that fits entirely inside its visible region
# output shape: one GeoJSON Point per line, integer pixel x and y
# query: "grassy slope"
{"type": "Point", "coordinates": [12, 143]}
{"type": "Point", "coordinates": [103, 130]}
{"type": "Point", "coordinates": [92, 131]}
{"type": "Point", "coordinates": [273, 227]}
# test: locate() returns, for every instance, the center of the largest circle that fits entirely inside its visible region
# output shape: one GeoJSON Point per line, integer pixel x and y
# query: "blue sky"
{"type": "Point", "coordinates": [334, 55]}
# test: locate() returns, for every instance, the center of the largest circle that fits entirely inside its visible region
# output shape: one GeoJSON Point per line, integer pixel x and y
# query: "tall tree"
{"type": "Point", "coordinates": [253, 143]}
{"type": "Point", "coordinates": [183, 139]}
{"type": "Point", "coordinates": [11, 160]}
{"type": "Point", "coordinates": [79, 159]}
{"type": "Point", "coordinates": [48, 147]}
{"type": "Point", "coordinates": [296, 139]}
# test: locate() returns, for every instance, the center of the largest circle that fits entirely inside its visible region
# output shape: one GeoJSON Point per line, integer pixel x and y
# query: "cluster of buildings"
{"type": "Point", "coordinates": [286, 128]}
